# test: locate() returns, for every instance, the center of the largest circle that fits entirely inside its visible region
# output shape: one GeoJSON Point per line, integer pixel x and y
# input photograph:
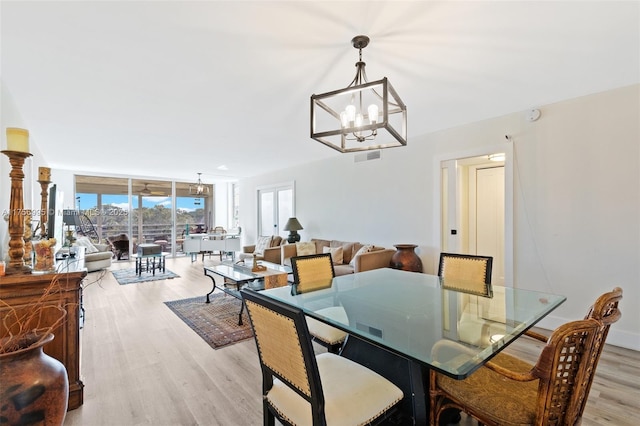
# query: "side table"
{"type": "Point", "coordinates": [150, 260]}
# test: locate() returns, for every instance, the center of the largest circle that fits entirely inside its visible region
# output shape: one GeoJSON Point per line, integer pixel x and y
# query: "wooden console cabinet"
{"type": "Point", "coordinates": [20, 291]}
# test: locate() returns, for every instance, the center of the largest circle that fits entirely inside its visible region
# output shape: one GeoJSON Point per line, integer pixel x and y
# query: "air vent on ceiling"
{"type": "Point", "coordinates": [367, 156]}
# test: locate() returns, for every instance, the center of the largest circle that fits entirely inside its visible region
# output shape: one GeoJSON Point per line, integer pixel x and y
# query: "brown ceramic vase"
{"type": "Point", "coordinates": [406, 259]}
{"type": "Point", "coordinates": [35, 387]}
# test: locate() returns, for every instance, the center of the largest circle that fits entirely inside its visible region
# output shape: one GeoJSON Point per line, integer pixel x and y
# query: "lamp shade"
{"type": "Point", "coordinates": [293, 225]}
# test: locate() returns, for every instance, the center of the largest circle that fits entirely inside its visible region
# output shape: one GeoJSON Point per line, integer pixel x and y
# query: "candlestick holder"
{"type": "Point", "coordinates": [16, 213]}
{"type": "Point", "coordinates": [44, 192]}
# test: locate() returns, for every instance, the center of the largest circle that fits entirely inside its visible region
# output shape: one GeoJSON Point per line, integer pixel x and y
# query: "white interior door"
{"type": "Point", "coordinates": [473, 211]}
{"type": "Point", "coordinates": [486, 216]}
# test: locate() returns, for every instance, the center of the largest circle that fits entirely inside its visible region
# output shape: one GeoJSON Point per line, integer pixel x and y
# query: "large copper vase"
{"type": "Point", "coordinates": [405, 258]}
{"type": "Point", "coordinates": [35, 387]}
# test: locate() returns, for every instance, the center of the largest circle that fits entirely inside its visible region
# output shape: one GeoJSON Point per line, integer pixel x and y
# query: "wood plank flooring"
{"type": "Point", "coordinates": [141, 365]}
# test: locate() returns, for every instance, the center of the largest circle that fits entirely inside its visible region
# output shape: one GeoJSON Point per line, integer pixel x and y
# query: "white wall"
{"type": "Point", "coordinates": [576, 198]}
{"type": "Point", "coordinates": [10, 117]}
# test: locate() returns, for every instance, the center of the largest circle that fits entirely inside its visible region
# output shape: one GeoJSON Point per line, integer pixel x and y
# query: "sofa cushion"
{"type": "Point", "coordinates": [263, 243]}
{"type": "Point", "coordinates": [347, 249]}
{"type": "Point", "coordinates": [364, 249]}
{"type": "Point", "coordinates": [305, 248]}
{"type": "Point", "coordinates": [337, 254]}
{"type": "Point", "coordinates": [345, 269]}
{"type": "Point", "coordinates": [320, 244]}
{"type": "Point", "coordinates": [276, 241]}
{"type": "Point", "coordinates": [87, 244]}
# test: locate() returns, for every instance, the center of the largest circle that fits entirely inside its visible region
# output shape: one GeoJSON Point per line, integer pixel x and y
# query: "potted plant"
{"type": "Point", "coordinates": [35, 386]}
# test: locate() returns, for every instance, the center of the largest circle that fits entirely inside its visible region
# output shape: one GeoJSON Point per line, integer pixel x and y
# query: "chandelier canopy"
{"type": "Point", "coordinates": [199, 188]}
{"type": "Point", "coordinates": [363, 116]}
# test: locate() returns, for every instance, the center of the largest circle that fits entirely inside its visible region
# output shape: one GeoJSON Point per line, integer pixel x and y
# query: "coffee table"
{"type": "Point", "coordinates": [237, 275]}
{"type": "Point", "coordinates": [150, 262]}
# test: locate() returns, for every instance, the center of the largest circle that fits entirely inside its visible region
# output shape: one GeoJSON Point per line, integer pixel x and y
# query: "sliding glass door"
{"type": "Point", "coordinates": [144, 210]}
{"type": "Point", "coordinates": [151, 218]}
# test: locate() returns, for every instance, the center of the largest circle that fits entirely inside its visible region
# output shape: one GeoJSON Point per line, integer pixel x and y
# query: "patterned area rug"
{"type": "Point", "coordinates": [215, 322]}
{"type": "Point", "coordinates": [129, 276]}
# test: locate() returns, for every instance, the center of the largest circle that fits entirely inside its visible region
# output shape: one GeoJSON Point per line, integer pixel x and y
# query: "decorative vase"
{"type": "Point", "coordinates": [45, 259]}
{"type": "Point", "coordinates": [405, 258]}
{"type": "Point", "coordinates": [35, 387]}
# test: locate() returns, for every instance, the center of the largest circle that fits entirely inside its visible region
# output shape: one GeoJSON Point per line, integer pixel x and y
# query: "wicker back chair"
{"type": "Point", "coordinates": [301, 388]}
{"type": "Point", "coordinates": [467, 273]}
{"type": "Point", "coordinates": [311, 269]}
{"type": "Point", "coordinates": [508, 391]}
{"type": "Point", "coordinates": [313, 272]}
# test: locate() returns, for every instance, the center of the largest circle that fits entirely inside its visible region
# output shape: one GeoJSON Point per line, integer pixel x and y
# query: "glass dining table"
{"type": "Point", "coordinates": [402, 324]}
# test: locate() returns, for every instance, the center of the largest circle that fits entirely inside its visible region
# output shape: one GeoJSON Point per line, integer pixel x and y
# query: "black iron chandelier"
{"type": "Point", "coordinates": [363, 116]}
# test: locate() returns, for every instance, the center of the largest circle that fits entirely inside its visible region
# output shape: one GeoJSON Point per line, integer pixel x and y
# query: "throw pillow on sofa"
{"type": "Point", "coordinates": [262, 244]}
{"type": "Point", "coordinates": [364, 249]}
{"type": "Point", "coordinates": [87, 244]}
{"type": "Point", "coordinates": [305, 248]}
{"type": "Point", "coordinates": [337, 254]}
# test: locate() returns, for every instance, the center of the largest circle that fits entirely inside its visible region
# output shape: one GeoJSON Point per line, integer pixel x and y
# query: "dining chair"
{"type": "Point", "coordinates": [300, 388]}
{"type": "Point", "coordinates": [509, 391]}
{"type": "Point", "coordinates": [316, 270]}
{"type": "Point", "coordinates": [467, 273]}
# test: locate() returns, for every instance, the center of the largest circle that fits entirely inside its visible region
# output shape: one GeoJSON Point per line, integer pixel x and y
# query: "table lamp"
{"type": "Point", "coordinates": [293, 226]}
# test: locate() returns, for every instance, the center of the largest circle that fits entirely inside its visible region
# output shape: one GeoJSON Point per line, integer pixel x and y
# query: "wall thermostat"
{"type": "Point", "coordinates": [533, 114]}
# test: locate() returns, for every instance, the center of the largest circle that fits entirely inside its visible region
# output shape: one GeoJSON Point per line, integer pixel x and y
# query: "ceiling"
{"type": "Point", "coordinates": [170, 89]}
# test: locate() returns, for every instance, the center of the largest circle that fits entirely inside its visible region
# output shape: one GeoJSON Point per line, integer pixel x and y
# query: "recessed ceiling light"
{"type": "Point", "coordinates": [223, 167]}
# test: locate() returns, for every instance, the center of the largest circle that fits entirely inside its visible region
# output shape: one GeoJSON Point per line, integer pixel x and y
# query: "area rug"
{"type": "Point", "coordinates": [215, 322]}
{"type": "Point", "coordinates": [129, 276]}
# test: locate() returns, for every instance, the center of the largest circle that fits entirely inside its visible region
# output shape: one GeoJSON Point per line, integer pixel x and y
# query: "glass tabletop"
{"type": "Point", "coordinates": [238, 271]}
{"type": "Point", "coordinates": [411, 314]}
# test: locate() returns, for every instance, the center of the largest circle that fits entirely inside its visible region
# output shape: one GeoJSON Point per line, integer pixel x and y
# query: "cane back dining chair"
{"type": "Point", "coordinates": [300, 388]}
{"type": "Point", "coordinates": [466, 272]}
{"type": "Point", "coordinates": [316, 270]}
{"type": "Point", "coordinates": [509, 391]}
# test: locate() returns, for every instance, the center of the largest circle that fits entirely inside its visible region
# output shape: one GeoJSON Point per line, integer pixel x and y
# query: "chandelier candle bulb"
{"type": "Point", "coordinates": [17, 139]}
{"type": "Point", "coordinates": [373, 113]}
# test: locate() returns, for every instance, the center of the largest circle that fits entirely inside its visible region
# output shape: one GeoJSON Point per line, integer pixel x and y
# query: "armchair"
{"type": "Point", "coordinates": [267, 249]}
{"type": "Point", "coordinates": [120, 245]}
{"type": "Point", "coordinates": [97, 256]}
{"type": "Point", "coordinates": [508, 391]}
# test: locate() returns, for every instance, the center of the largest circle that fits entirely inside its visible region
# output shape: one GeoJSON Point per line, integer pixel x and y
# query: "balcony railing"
{"type": "Point", "coordinates": [151, 233]}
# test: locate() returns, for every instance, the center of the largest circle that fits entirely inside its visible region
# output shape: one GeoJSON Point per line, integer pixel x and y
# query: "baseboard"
{"type": "Point", "coordinates": [621, 338]}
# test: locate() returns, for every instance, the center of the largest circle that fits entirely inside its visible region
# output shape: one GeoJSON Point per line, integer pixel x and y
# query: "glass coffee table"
{"type": "Point", "coordinates": [237, 275]}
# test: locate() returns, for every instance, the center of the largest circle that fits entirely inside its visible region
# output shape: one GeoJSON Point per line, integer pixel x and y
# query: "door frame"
{"type": "Point", "coordinates": [507, 148]}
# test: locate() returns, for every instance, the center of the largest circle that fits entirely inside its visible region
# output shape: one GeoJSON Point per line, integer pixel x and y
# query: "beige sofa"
{"type": "Point", "coordinates": [378, 257]}
{"type": "Point", "coordinates": [270, 252]}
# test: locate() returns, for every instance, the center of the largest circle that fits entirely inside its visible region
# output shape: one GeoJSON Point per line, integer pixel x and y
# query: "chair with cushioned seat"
{"type": "Point", "coordinates": [467, 273]}
{"type": "Point", "coordinates": [318, 269]}
{"type": "Point", "coordinates": [300, 388]}
{"type": "Point", "coordinates": [509, 391]}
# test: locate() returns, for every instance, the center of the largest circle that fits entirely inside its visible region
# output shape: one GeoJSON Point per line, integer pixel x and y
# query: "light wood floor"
{"type": "Point", "coordinates": [141, 365]}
